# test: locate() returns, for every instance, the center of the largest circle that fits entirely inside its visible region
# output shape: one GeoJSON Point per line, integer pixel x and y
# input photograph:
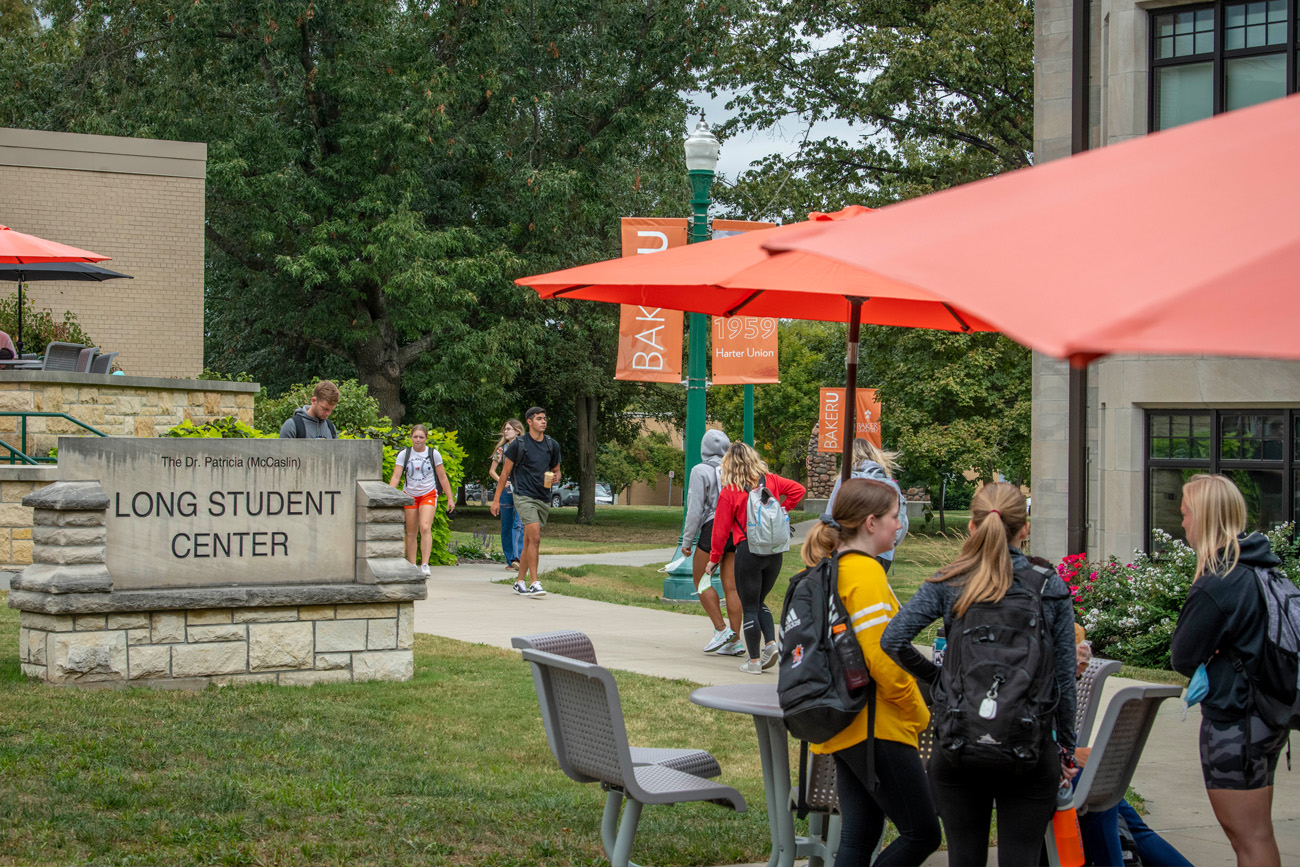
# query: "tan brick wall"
{"type": "Point", "coordinates": [150, 224]}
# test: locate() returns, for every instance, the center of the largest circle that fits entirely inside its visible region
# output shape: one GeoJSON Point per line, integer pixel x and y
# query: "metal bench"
{"type": "Point", "coordinates": [584, 724]}
{"type": "Point", "coordinates": [1089, 689]}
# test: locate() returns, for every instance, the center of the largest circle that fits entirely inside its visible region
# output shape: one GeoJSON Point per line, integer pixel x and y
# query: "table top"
{"type": "Point", "coordinates": [20, 363]}
{"type": "Point", "coordinates": [755, 699]}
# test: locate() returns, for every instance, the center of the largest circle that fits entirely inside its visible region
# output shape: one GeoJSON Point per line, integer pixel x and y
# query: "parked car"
{"type": "Point", "coordinates": [476, 493]}
{"type": "Point", "coordinates": [566, 494]}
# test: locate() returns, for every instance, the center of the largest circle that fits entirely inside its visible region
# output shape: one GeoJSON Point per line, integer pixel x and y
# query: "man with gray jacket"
{"type": "Point", "coordinates": [702, 491]}
{"type": "Point", "coordinates": [312, 422]}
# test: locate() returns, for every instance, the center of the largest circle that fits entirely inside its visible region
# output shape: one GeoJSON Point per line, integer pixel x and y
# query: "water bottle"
{"type": "Point", "coordinates": [940, 645]}
{"type": "Point", "coordinates": [1065, 828]}
{"type": "Point", "coordinates": [851, 659]}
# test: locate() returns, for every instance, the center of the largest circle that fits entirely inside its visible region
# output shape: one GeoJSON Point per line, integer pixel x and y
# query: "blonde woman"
{"type": "Point", "coordinates": [1223, 625]}
{"type": "Point", "coordinates": [870, 462]}
{"type": "Point", "coordinates": [512, 529]}
{"type": "Point", "coordinates": [424, 473]}
{"type": "Point", "coordinates": [862, 525]}
{"type": "Point", "coordinates": [741, 471]}
{"type": "Point", "coordinates": [1024, 794]}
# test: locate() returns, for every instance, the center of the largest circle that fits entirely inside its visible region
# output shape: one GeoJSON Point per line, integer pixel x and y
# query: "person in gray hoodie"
{"type": "Point", "coordinates": [870, 462]}
{"type": "Point", "coordinates": [702, 491]}
{"type": "Point", "coordinates": [312, 422]}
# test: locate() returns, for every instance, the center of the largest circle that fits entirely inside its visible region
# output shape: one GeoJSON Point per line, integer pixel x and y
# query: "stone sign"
{"type": "Point", "coordinates": [198, 512]}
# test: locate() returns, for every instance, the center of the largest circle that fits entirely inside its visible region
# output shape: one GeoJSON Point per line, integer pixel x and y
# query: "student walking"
{"type": "Point", "coordinates": [870, 462]}
{"type": "Point", "coordinates": [701, 502]}
{"type": "Point", "coordinates": [512, 529]}
{"type": "Point", "coordinates": [1223, 626]}
{"type": "Point", "coordinates": [312, 422]}
{"type": "Point", "coordinates": [863, 524]}
{"type": "Point", "coordinates": [425, 477]}
{"type": "Point", "coordinates": [984, 755]}
{"type": "Point", "coordinates": [741, 472]}
{"type": "Point", "coordinates": [532, 465]}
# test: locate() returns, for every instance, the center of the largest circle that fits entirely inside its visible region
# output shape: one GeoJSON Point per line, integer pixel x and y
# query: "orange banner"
{"type": "Point", "coordinates": [744, 350]}
{"type": "Point", "coordinates": [650, 338]}
{"type": "Point", "coordinates": [724, 228]}
{"type": "Point", "coordinates": [830, 427]}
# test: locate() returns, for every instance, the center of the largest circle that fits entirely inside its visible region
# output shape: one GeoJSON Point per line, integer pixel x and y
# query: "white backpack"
{"type": "Point", "coordinates": [767, 526]}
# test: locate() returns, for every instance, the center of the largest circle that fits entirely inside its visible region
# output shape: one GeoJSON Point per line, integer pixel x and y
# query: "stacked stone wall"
{"type": "Point", "coordinates": [822, 470]}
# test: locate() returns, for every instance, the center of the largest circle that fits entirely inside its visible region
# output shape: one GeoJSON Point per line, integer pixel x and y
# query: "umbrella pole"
{"type": "Point", "coordinates": [20, 315]}
{"type": "Point", "coordinates": [851, 388]}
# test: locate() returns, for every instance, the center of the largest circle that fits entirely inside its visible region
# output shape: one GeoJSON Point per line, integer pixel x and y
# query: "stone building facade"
{"type": "Point", "coordinates": [139, 201]}
{"type": "Point", "coordinates": [1154, 420]}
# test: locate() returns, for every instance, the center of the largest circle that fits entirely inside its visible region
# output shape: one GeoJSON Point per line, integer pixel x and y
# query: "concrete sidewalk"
{"type": "Point", "coordinates": [464, 604]}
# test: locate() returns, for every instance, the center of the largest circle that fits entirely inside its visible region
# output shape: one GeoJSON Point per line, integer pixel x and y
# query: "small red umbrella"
{"type": "Point", "coordinates": [1180, 242]}
{"type": "Point", "coordinates": [17, 248]}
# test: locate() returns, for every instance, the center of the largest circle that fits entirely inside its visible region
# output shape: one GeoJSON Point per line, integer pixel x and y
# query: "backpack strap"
{"type": "Point", "coordinates": [406, 460]}
{"type": "Point", "coordinates": [299, 427]}
{"type": "Point", "coordinates": [334, 432]}
{"type": "Point", "coordinates": [1033, 577]}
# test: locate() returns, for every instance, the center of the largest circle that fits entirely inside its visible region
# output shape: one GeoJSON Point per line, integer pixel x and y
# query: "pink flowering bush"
{"type": "Point", "coordinates": [1129, 610]}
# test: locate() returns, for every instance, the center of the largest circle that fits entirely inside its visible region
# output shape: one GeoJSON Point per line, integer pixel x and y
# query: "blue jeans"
{"type": "Point", "coordinates": [1101, 839]}
{"type": "Point", "coordinates": [512, 529]}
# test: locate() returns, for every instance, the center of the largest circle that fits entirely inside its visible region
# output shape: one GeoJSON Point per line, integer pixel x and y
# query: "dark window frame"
{"type": "Point", "coordinates": [1219, 54]}
{"type": "Point", "coordinates": [1215, 463]}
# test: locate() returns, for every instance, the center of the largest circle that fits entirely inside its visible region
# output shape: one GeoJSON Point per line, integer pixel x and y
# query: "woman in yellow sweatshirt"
{"type": "Point", "coordinates": [863, 525]}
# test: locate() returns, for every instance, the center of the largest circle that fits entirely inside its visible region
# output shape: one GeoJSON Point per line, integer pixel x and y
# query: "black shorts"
{"type": "Point", "coordinates": [1229, 761]}
{"type": "Point", "coordinates": [705, 543]}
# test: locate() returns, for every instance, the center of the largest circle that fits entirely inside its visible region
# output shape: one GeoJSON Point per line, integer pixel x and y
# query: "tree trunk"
{"type": "Point", "coordinates": [385, 383]}
{"type": "Point", "coordinates": [588, 409]}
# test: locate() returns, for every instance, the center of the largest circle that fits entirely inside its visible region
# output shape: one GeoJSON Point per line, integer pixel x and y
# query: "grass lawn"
{"type": "Point", "coordinates": [450, 769]}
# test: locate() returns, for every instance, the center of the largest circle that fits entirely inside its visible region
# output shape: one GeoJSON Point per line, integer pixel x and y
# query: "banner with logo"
{"type": "Point", "coordinates": [830, 426]}
{"type": "Point", "coordinates": [650, 338]}
{"type": "Point", "coordinates": [744, 350]}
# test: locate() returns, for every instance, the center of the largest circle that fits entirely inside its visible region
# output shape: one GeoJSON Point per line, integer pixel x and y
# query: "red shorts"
{"type": "Point", "coordinates": [429, 499]}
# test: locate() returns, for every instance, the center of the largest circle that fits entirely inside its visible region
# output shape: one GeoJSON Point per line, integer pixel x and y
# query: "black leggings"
{"type": "Point", "coordinates": [1025, 802]}
{"type": "Point", "coordinates": [903, 796]}
{"type": "Point", "coordinates": [756, 575]}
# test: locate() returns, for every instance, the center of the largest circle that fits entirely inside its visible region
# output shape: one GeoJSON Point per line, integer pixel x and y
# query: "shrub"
{"type": "Point", "coordinates": [39, 326]}
{"type": "Point", "coordinates": [1129, 610]}
{"type": "Point", "coordinates": [356, 408]}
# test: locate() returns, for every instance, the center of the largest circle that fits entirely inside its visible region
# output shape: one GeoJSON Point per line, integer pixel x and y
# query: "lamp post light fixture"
{"type": "Point", "coordinates": [702, 149]}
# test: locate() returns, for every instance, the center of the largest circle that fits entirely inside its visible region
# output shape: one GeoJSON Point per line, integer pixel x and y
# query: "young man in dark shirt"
{"type": "Point", "coordinates": [532, 463]}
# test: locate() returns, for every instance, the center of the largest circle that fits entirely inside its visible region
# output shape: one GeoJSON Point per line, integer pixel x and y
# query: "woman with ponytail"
{"type": "Point", "coordinates": [870, 462]}
{"type": "Point", "coordinates": [862, 525]}
{"type": "Point", "coordinates": [1025, 796]}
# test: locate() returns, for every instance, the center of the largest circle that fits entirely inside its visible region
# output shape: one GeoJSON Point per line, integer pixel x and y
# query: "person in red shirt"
{"type": "Point", "coordinates": [742, 470]}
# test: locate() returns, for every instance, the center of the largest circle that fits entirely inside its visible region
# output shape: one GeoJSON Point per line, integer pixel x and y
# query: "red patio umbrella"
{"type": "Point", "coordinates": [1180, 242]}
{"type": "Point", "coordinates": [735, 275]}
{"type": "Point", "coordinates": [18, 248]}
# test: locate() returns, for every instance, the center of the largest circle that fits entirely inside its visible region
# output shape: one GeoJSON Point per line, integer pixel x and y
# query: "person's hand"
{"type": "Point", "coordinates": [451, 507]}
{"type": "Point", "coordinates": [686, 550]}
{"type": "Point", "coordinates": [710, 568]}
{"type": "Point", "coordinates": [1068, 773]}
{"type": "Point", "coordinates": [495, 508]}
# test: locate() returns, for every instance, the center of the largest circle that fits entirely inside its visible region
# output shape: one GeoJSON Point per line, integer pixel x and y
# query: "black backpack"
{"type": "Point", "coordinates": [818, 648]}
{"type": "Point", "coordinates": [996, 695]}
{"type": "Point", "coordinates": [300, 428]}
{"type": "Point", "coordinates": [1275, 686]}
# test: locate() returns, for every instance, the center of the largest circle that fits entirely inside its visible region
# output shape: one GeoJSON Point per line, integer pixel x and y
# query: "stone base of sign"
{"type": "Point", "coordinates": [289, 645]}
{"type": "Point", "coordinates": [823, 469]}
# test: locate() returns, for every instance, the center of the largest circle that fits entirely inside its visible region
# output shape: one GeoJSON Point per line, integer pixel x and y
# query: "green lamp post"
{"type": "Point", "coordinates": [702, 150]}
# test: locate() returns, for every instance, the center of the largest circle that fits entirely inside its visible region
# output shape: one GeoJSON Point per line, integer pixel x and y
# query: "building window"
{"type": "Point", "coordinates": [1215, 57]}
{"type": "Point", "coordinates": [1258, 449]}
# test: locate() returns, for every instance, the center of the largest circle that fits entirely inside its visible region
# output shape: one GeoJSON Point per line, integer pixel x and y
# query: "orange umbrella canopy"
{"type": "Point", "coordinates": [1180, 242]}
{"type": "Point", "coordinates": [17, 248]}
{"type": "Point", "coordinates": [736, 276]}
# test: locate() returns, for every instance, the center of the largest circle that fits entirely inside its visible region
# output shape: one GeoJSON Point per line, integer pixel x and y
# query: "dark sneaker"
{"type": "Point", "coordinates": [535, 589]}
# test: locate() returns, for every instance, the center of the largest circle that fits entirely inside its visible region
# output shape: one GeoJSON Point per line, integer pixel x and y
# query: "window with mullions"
{"type": "Point", "coordinates": [1215, 57]}
{"type": "Point", "coordinates": [1258, 449]}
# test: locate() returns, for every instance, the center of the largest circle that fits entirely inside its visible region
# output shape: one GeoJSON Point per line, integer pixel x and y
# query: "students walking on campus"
{"type": "Point", "coordinates": [744, 473]}
{"type": "Point", "coordinates": [862, 525]}
{"type": "Point", "coordinates": [1223, 626]}
{"type": "Point", "coordinates": [312, 422]}
{"type": "Point", "coordinates": [870, 462]}
{"type": "Point", "coordinates": [702, 492]}
{"type": "Point", "coordinates": [531, 465]}
{"type": "Point", "coordinates": [512, 529]}
{"type": "Point", "coordinates": [985, 755]}
{"type": "Point", "coordinates": [425, 477]}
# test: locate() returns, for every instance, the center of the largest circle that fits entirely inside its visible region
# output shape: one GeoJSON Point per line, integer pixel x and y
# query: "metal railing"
{"type": "Point", "coordinates": [19, 455]}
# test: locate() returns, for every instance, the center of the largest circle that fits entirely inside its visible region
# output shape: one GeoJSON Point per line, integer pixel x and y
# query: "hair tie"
{"type": "Point", "coordinates": [830, 521]}
{"type": "Point", "coordinates": [995, 512]}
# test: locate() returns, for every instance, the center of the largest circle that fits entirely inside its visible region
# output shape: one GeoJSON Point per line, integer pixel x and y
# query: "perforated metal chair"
{"type": "Point", "coordinates": [103, 363]}
{"type": "Point", "coordinates": [1089, 689]}
{"type": "Point", "coordinates": [580, 702]}
{"type": "Point", "coordinates": [62, 356]}
{"type": "Point", "coordinates": [85, 357]}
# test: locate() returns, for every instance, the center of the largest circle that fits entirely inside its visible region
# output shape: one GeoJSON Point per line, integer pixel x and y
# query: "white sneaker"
{"type": "Point", "coordinates": [521, 588]}
{"type": "Point", "coordinates": [535, 589]}
{"type": "Point", "coordinates": [720, 637]}
{"type": "Point", "coordinates": [735, 648]}
{"type": "Point", "coordinates": [424, 568]}
{"type": "Point", "coordinates": [751, 667]}
{"type": "Point", "coordinates": [768, 656]}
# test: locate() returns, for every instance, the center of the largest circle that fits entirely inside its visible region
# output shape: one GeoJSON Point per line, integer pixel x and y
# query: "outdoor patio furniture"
{"type": "Point", "coordinates": [85, 357]}
{"type": "Point", "coordinates": [584, 722]}
{"type": "Point", "coordinates": [103, 363]}
{"type": "Point", "coordinates": [576, 645]}
{"type": "Point", "coordinates": [1089, 689]}
{"type": "Point", "coordinates": [62, 356]}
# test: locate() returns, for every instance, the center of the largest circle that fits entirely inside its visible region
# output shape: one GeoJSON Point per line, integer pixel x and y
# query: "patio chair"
{"type": "Point", "coordinates": [62, 356]}
{"type": "Point", "coordinates": [1119, 744]}
{"type": "Point", "coordinates": [103, 363]}
{"type": "Point", "coordinates": [1089, 689]}
{"type": "Point", "coordinates": [576, 645]}
{"type": "Point", "coordinates": [587, 735]}
{"type": "Point", "coordinates": [85, 358]}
